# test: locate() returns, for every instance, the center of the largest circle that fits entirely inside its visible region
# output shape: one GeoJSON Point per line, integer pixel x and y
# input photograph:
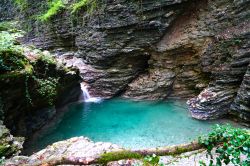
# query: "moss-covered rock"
{"type": "Point", "coordinates": [33, 84]}
{"type": "Point", "coordinates": [9, 145]}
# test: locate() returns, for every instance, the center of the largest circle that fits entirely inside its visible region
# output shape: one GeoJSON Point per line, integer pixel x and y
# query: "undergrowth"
{"type": "Point", "coordinates": [47, 88]}
{"type": "Point", "coordinates": [90, 5]}
{"type": "Point", "coordinates": [231, 145]}
{"type": "Point", "coordinates": [14, 64]}
{"type": "Point", "coordinates": [55, 6]}
{"type": "Point", "coordinates": [22, 4]}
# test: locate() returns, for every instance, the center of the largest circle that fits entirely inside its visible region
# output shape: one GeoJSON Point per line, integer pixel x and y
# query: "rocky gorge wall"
{"type": "Point", "coordinates": [34, 87]}
{"type": "Point", "coordinates": [156, 50]}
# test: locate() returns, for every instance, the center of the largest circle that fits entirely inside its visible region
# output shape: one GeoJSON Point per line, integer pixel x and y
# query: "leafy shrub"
{"type": "Point", "coordinates": [48, 59]}
{"type": "Point", "coordinates": [90, 4]}
{"type": "Point", "coordinates": [152, 161]}
{"type": "Point", "coordinates": [2, 160]}
{"type": "Point", "coordinates": [7, 25]}
{"type": "Point", "coordinates": [54, 7]}
{"type": "Point", "coordinates": [229, 144]}
{"type": "Point", "coordinates": [47, 88]}
{"type": "Point", "coordinates": [22, 4]}
{"type": "Point", "coordinates": [11, 57]}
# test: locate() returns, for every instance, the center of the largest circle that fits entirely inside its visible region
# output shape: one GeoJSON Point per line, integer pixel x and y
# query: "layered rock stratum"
{"type": "Point", "coordinates": [150, 50]}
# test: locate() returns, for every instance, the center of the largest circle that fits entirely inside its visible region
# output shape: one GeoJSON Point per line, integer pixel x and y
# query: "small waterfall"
{"type": "Point", "coordinates": [86, 96]}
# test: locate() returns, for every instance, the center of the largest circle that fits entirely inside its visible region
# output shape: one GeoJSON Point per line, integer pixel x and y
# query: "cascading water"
{"type": "Point", "coordinates": [86, 96]}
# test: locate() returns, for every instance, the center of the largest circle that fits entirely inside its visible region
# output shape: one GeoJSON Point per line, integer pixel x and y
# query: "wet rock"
{"type": "Point", "coordinates": [209, 101]}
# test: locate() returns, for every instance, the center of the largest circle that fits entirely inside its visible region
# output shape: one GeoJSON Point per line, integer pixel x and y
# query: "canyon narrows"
{"type": "Point", "coordinates": [149, 50]}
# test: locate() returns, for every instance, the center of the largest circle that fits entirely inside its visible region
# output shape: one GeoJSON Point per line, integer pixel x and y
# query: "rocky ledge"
{"type": "Point", "coordinates": [82, 151]}
{"type": "Point", "coordinates": [77, 149]}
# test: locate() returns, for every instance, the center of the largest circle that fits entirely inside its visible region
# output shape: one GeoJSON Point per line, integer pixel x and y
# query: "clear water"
{"type": "Point", "coordinates": [127, 123]}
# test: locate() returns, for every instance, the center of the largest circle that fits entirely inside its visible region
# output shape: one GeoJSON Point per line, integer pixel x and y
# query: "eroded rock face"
{"type": "Point", "coordinates": [113, 41]}
{"type": "Point", "coordinates": [75, 149]}
{"type": "Point", "coordinates": [7, 10]}
{"type": "Point", "coordinates": [157, 50]}
{"type": "Point", "coordinates": [241, 104]}
{"type": "Point", "coordinates": [226, 58]}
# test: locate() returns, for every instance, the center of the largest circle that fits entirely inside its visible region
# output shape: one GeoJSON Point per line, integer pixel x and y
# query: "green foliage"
{"type": "Point", "coordinates": [8, 26]}
{"type": "Point", "coordinates": [152, 161]}
{"type": "Point", "coordinates": [47, 88]}
{"type": "Point", "coordinates": [229, 144]}
{"type": "Point", "coordinates": [2, 160]}
{"type": "Point", "coordinates": [11, 57]}
{"type": "Point", "coordinates": [6, 41]}
{"type": "Point", "coordinates": [55, 6]}
{"type": "Point", "coordinates": [48, 59]}
{"type": "Point", "coordinates": [77, 6]}
{"type": "Point", "coordinates": [89, 4]}
{"type": "Point", "coordinates": [115, 156]}
{"type": "Point", "coordinates": [3, 150]}
{"type": "Point", "coordinates": [22, 4]}
{"type": "Point", "coordinates": [13, 63]}
{"type": "Point", "coordinates": [121, 155]}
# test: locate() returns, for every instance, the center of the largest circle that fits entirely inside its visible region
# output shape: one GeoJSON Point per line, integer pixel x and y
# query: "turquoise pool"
{"type": "Point", "coordinates": [131, 124]}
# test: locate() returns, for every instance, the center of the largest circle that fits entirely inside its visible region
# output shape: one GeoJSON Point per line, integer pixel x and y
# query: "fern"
{"type": "Point", "coordinates": [54, 7]}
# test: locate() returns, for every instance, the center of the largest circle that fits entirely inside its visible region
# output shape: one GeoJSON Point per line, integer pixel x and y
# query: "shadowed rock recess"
{"type": "Point", "coordinates": [156, 50]}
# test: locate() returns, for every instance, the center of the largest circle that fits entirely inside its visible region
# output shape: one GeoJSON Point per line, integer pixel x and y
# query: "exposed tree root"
{"type": "Point", "coordinates": [122, 154]}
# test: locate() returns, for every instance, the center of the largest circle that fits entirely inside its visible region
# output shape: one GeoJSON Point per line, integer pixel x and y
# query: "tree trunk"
{"type": "Point", "coordinates": [123, 154]}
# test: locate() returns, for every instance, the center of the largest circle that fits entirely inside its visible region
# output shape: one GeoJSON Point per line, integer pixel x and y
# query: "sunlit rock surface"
{"type": "Point", "coordinates": [74, 149]}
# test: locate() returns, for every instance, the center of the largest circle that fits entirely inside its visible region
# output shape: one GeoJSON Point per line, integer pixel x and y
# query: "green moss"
{"type": "Point", "coordinates": [47, 59]}
{"type": "Point", "coordinates": [22, 4]}
{"type": "Point", "coordinates": [54, 7]}
{"type": "Point", "coordinates": [77, 6]}
{"type": "Point", "coordinates": [12, 61]}
{"type": "Point", "coordinates": [8, 25]}
{"type": "Point", "coordinates": [4, 150]}
{"type": "Point", "coordinates": [89, 4]}
{"type": "Point", "coordinates": [115, 156]}
{"type": "Point", "coordinates": [47, 88]}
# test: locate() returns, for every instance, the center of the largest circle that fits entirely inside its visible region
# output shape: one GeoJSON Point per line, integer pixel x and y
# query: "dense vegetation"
{"type": "Point", "coordinates": [14, 63]}
{"type": "Point", "coordinates": [231, 145]}
{"type": "Point", "coordinates": [55, 6]}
